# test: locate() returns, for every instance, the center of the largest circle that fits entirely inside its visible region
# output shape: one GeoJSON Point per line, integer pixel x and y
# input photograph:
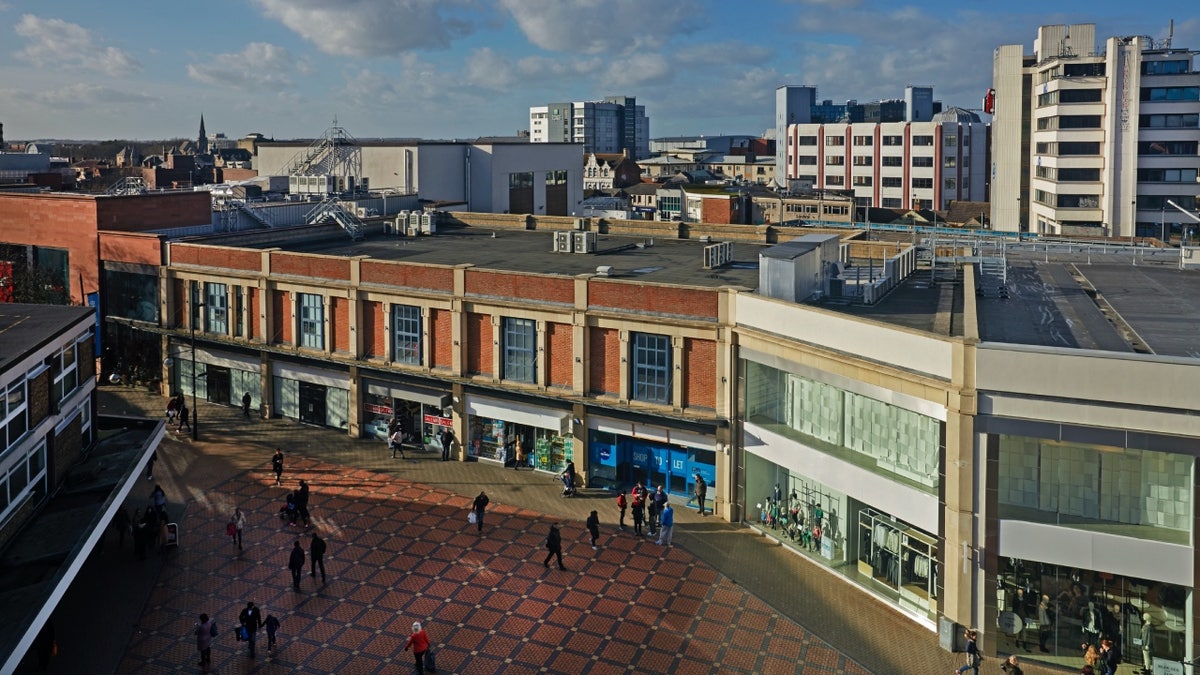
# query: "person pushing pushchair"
{"type": "Point", "coordinates": [289, 511]}
{"type": "Point", "coordinates": [568, 480]}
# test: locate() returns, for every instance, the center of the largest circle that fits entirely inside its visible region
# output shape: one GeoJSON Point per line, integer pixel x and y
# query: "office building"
{"type": "Point", "coordinates": [616, 124]}
{"type": "Point", "coordinates": [1108, 135]}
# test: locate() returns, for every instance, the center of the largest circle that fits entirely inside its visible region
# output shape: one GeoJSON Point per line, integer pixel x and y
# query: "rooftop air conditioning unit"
{"type": "Point", "coordinates": [605, 271]}
{"type": "Point", "coordinates": [563, 242]}
{"type": "Point", "coordinates": [580, 224]}
{"type": "Point", "coordinates": [360, 211]}
{"type": "Point", "coordinates": [428, 224]}
{"type": "Point", "coordinates": [585, 242]}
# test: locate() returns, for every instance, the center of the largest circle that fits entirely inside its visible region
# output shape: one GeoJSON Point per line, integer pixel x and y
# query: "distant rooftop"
{"type": "Point", "coordinates": [26, 328]}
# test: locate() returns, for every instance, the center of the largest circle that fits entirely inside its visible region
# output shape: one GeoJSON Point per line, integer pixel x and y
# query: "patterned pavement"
{"type": "Point", "coordinates": [401, 551]}
{"type": "Point", "coordinates": [723, 599]}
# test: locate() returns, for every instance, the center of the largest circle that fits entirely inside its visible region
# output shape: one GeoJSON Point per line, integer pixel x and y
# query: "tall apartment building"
{"type": "Point", "coordinates": [613, 125]}
{"type": "Point", "coordinates": [894, 164]}
{"type": "Point", "coordinates": [793, 105]}
{"type": "Point", "coordinates": [1096, 140]}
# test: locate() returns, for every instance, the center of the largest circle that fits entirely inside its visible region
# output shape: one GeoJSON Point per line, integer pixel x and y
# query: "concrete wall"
{"type": "Point", "coordinates": [898, 347]}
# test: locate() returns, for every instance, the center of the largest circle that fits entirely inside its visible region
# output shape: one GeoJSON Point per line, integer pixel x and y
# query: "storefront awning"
{"type": "Point", "coordinates": [409, 392]}
{"type": "Point", "coordinates": [519, 413]}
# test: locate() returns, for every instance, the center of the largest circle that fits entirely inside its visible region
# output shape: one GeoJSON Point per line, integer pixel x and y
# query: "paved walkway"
{"type": "Point", "coordinates": [722, 599]}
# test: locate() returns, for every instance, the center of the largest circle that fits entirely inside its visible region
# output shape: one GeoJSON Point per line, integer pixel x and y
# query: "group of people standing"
{"type": "Point", "coordinates": [178, 413]}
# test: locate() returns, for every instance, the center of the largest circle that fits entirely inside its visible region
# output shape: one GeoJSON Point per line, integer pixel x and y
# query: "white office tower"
{"type": "Point", "coordinates": [793, 105]}
{"type": "Point", "coordinates": [1094, 141]}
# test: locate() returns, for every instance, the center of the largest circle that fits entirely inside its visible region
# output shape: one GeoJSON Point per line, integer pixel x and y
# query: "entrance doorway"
{"type": "Point", "coordinates": [312, 403]}
{"type": "Point", "coordinates": [217, 379]}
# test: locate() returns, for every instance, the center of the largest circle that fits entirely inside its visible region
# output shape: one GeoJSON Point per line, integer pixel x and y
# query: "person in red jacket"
{"type": "Point", "coordinates": [419, 642]}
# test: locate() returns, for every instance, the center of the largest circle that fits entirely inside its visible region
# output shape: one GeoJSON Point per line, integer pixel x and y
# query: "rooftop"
{"type": "Point", "coordinates": [1110, 305]}
{"type": "Point", "coordinates": [644, 259]}
{"type": "Point", "coordinates": [25, 328]}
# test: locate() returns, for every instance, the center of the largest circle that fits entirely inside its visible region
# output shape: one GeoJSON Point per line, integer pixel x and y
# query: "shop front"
{"type": "Point", "coordinates": [421, 411]}
{"type": "Point", "coordinates": [859, 524]}
{"type": "Point", "coordinates": [220, 376]}
{"type": "Point", "coordinates": [316, 396]}
{"type": "Point", "coordinates": [622, 454]}
{"type": "Point", "coordinates": [1047, 612]}
{"type": "Point", "coordinates": [496, 428]}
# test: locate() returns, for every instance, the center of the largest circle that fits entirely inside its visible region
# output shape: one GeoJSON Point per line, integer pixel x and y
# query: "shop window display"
{"type": "Point", "coordinates": [1055, 614]}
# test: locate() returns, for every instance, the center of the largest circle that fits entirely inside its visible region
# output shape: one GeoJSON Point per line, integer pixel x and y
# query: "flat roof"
{"type": "Point", "coordinates": [1110, 305]}
{"type": "Point", "coordinates": [25, 328]}
{"type": "Point", "coordinates": [645, 259]}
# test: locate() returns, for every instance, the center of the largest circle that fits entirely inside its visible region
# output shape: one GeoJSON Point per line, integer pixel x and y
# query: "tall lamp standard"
{"type": "Point", "coordinates": [195, 416]}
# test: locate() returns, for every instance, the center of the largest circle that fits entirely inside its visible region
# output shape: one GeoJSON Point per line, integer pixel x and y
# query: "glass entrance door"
{"type": "Point", "coordinates": [218, 384]}
{"type": "Point", "coordinates": [312, 403]}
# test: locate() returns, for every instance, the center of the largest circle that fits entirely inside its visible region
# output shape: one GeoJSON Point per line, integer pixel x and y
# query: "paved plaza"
{"type": "Point", "coordinates": [722, 599]}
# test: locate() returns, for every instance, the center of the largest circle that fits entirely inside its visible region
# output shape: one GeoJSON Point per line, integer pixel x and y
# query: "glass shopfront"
{"type": "Point", "coordinates": [422, 412]}
{"type": "Point", "coordinates": [1051, 613]}
{"type": "Point", "coordinates": [497, 440]}
{"type": "Point", "coordinates": [311, 395]}
{"type": "Point", "coordinates": [885, 555]}
{"type": "Point", "coordinates": [617, 461]}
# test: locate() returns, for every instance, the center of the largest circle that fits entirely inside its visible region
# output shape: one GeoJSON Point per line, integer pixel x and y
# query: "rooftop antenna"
{"type": "Point", "coordinates": [1170, 33]}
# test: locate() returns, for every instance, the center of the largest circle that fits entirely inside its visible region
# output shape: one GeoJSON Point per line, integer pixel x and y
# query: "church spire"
{"type": "Point", "coordinates": [202, 142]}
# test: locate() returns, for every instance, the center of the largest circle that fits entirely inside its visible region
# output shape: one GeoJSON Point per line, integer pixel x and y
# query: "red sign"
{"type": "Point", "coordinates": [439, 421]}
{"type": "Point", "coordinates": [377, 409]}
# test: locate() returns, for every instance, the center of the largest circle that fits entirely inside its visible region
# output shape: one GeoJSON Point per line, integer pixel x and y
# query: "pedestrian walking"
{"type": "Point", "coordinates": [205, 631]}
{"type": "Point", "coordinates": [316, 552]}
{"type": "Point", "coordinates": [150, 465]}
{"type": "Point", "coordinates": [972, 651]}
{"type": "Point", "coordinates": [639, 512]}
{"type": "Point", "coordinates": [518, 453]}
{"type": "Point", "coordinates": [396, 441]}
{"type": "Point", "coordinates": [554, 547]}
{"type": "Point", "coordinates": [159, 498]}
{"type": "Point", "coordinates": [1012, 666]}
{"type": "Point", "coordinates": [239, 524]}
{"type": "Point", "coordinates": [700, 491]}
{"type": "Point", "coordinates": [302, 502]}
{"type": "Point", "coordinates": [478, 507]}
{"type": "Point", "coordinates": [246, 401]}
{"type": "Point", "coordinates": [183, 418]}
{"type": "Point", "coordinates": [272, 625]}
{"type": "Point", "coordinates": [419, 641]}
{"type": "Point", "coordinates": [447, 440]}
{"type": "Point", "coordinates": [667, 523]}
{"type": "Point", "coordinates": [296, 564]}
{"type": "Point", "coordinates": [277, 465]}
{"type": "Point", "coordinates": [622, 504]}
{"type": "Point", "coordinates": [251, 621]}
{"type": "Point", "coordinates": [593, 527]}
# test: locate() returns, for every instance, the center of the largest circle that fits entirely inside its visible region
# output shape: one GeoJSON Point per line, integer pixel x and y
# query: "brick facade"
{"type": "Point", "coordinates": [407, 275]}
{"type": "Point", "coordinates": [699, 373]}
{"type": "Point", "coordinates": [441, 334]}
{"type": "Point", "coordinates": [604, 361]}
{"type": "Point", "coordinates": [541, 288]}
{"type": "Point", "coordinates": [311, 266]}
{"type": "Point", "coordinates": [339, 325]}
{"type": "Point", "coordinates": [560, 356]}
{"type": "Point", "coordinates": [479, 344]}
{"type": "Point", "coordinates": [370, 329]}
{"type": "Point", "coordinates": [667, 300]}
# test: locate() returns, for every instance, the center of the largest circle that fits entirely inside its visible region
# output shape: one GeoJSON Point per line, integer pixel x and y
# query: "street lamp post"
{"type": "Point", "coordinates": [1162, 222]}
{"type": "Point", "coordinates": [195, 413]}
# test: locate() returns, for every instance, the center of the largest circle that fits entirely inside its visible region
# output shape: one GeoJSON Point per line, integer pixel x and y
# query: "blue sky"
{"type": "Point", "coordinates": [466, 68]}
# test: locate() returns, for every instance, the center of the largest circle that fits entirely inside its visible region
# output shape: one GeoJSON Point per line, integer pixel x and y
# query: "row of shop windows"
{"type": "Point", "coordinates": [615, 462]}
{"type": "Point", "coordinates": [1046, 612]}
{"type": "Point", "coordinates": [886, 556]}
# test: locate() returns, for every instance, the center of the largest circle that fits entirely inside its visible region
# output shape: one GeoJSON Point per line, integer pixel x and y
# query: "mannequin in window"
{"type": "Point", "coordinates": [1147, 638]}
{"type": "Point", "coordinates": [1093, 623]}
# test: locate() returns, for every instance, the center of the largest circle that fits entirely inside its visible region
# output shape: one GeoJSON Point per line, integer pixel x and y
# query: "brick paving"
{"type": "Point", "coordinates": [723, 599]}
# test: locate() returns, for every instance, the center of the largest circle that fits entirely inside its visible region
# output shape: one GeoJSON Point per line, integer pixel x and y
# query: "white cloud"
{"type": "Point", "coordinates": [54, 43]}
{"type": "Point", "coordinates": [373, 27]}
{"type": "Point", "coordinates": [80, 93]}
{"type": "Point", "coordinates": [591, 27]}
{"type": "Point", "coordinates": [260, 66]}
{"type": "Point", "coordinates": [488, 69]}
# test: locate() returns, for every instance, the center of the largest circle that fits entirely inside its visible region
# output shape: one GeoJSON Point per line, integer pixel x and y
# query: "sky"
{"type": "Point", "coordinates": [440, 69]}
